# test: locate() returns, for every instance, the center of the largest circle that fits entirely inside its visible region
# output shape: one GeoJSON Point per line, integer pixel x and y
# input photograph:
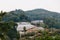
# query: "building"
{"type": "Point", "coordinates": [37, 21]}
{"type": "Point", "coordinates": [21, 25]}
{"type": "Point", "coordinates": [29, 27]}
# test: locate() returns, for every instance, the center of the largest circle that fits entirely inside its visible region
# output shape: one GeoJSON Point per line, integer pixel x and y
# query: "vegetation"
{"type": "Point", "coordinates": [41, 35]}
{"type": "Point", "coordinates": [8, 26]}
{"type": "Point", "coordinates": [7, 29]}
{"type": "Point", "coordinates": [37, 14]}
{"type": "Point", "coordinates": [52, 23]}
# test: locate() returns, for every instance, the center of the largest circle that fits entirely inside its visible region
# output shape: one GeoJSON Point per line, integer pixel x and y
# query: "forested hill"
{"type": "Point", "coordinates": [36, 14]}
{"type": "Point", "coordinates": [42, 13]}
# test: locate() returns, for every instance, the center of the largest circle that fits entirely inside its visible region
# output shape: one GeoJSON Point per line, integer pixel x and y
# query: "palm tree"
{"type": "Point", "coordinates": [2, 15]}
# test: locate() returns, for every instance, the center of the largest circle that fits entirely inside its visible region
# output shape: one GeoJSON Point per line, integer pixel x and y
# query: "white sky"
{"type": "Point", "coordinates": [8, 5]}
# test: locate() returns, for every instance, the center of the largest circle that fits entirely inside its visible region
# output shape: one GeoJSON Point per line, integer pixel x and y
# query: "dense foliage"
{"type": "Point", "coordinates": [52, 23]}
{"type": "Point", "coordinates": [8, 29]}
{"type": "Point", "coordinates": [37, 14]}
{"type": "Point", "coordinates": [8, 25]}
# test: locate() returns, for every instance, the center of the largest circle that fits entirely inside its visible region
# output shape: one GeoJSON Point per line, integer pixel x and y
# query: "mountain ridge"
{"type": "Point", "coordinates": [35, 14]}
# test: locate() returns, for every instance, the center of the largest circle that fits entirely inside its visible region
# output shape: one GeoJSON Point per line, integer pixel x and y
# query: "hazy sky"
{"type": "Point", "coordinates": [8, 5]}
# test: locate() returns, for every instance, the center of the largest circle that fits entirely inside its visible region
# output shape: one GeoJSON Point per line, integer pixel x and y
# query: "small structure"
{"type": "Point", "coordinates": [21, 25]}
{"type": "Point", "coordinates": [37, 21]}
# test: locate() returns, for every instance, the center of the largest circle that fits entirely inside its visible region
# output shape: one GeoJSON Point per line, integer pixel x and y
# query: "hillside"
{"type": "Point", "coordinates": [42, 13]}
{"type": "Point", "coordinates": [36, 14]}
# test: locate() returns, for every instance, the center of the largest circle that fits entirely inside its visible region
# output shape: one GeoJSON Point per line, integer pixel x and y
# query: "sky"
{"type": "Point", "coordinates": [9, 5]}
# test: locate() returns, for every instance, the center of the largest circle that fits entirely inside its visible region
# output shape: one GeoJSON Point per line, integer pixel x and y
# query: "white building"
{"type": "Point", "coordinates": [28, 26]}
{"type": "Point", "coordinates": [37, 21]}
{"type": "Point", "coordinates": [21, 25]}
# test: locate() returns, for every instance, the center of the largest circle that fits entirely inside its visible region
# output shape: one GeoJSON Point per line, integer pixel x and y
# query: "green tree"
{"type": "Point", "coordinates": [2, 15]}
{"type": "Point", "coordinates": [5, 27]}
{"type": "Point", "coordinates": [2, 24]}
{"type": "Point", "coordinates": [24, 28]}
{"type": "Point", "coordinates": [13, 33]}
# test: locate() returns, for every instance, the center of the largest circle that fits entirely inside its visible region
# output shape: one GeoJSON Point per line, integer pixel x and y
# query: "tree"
{"type": "Point", "coordinates": [6, 27]}
{"type": "Point", "coordinates": [2, 15]}
{"type": "Point", "coordinates": [2, 25]}
{"type": "Point", "coordinates": [24, 29]}
{"type": "Point", "coordinates": [13, 33]}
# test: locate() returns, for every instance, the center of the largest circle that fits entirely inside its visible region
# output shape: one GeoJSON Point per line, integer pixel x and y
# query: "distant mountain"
{"type": "Point", "coordinates": [35, 14]}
